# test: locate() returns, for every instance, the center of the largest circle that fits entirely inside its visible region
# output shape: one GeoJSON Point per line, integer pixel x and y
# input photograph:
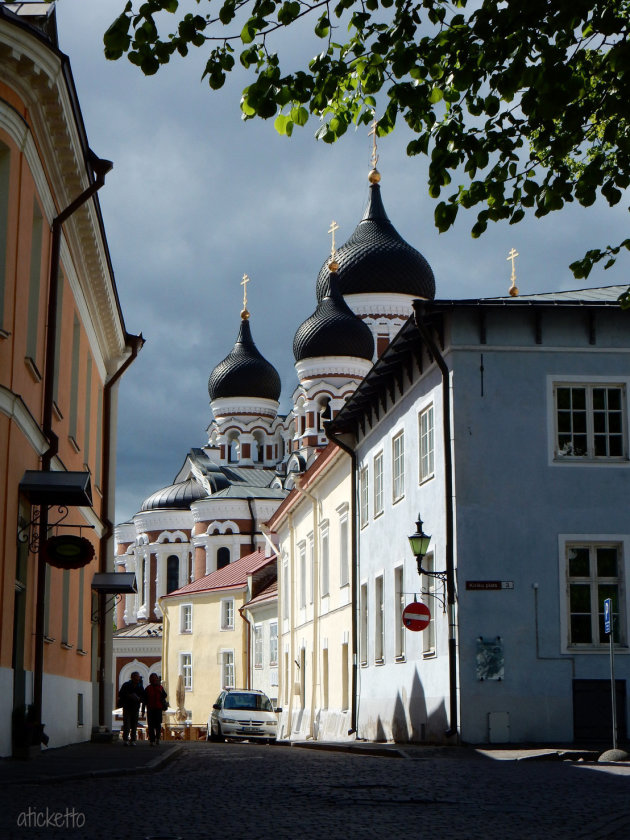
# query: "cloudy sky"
{"type": "Point", "coordinates": [197, 198]}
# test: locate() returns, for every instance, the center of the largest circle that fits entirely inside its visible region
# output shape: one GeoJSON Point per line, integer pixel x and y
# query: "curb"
{"type": "Point", "coordinates": [150, 767]}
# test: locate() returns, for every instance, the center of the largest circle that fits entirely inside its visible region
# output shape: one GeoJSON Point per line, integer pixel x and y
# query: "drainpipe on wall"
{"type": "Point", "coordinates": [353, 563]}
{"type": "Point", "coordinates": [99, 168]}
{"type": "Point", "coordinates": [248, 647]}
{"type": "Point", "coordinates": [419, 308]}
{"type": "Point", "coordinates": [135, 343]}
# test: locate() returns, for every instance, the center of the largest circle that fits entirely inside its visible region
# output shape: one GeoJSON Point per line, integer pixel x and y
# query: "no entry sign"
{"type": "Point", "coordinates": [416, 616]}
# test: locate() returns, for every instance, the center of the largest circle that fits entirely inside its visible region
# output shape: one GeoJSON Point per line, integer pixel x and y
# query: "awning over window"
{"type": "Point", "coordinates": [114, 583]}
{"type": "Point", "coordinates": [68, 489]}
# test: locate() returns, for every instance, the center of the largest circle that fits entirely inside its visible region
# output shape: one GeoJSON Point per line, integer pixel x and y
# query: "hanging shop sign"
{"type": "Point", "coordinates": [68, 551]}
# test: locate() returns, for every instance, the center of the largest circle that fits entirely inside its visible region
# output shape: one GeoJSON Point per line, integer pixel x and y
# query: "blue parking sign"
{"type": "Point", "coordinates": [607, 615]}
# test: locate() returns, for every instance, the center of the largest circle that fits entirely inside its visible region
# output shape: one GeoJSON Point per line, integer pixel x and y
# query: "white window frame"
{"type": "Point", "coordinates": [311, 567]}
{"type": "Point", "coordinates": [588, 382]}
{"type": "Point", "coordinates": [324, 538]}
{"type": "Point", "coordinates": [429, 585]}
{"type": "Point", "coordinates": [398, 466]}
{"type": "Point", "coordinates": [227, 669]}
{"type": "Point", "coordinates": [258, 646]}
{"type": "Point", "coordinates": [378, 484]}
{"type": "Point", "coordinates": [186, 669]}
{"type": "Point", "coordinates": [344, 546]}
{"type": "Point", "coordinates": [364, 496]}
{"type": "Point", "coordinates": [379, 619]}
{"type": "Point", "coordinates": [273, 643]}
{"type": "Point", "coordinates": [363, 624]}
{"type": "Point", "coordinates": [302, 563]}
{"type": "Point", "coordinates": [227, 613]}
{"type": "Point", "coordinates": [426, 437]}
{"type": "Point", "coordinates": [399, 606]}
{"type": "Point", "coordinates": [565, 541]}
{"type": "Point", "coordinates": [185, 618]}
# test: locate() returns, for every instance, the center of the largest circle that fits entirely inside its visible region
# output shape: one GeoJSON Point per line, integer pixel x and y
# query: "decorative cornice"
{"type": "Point", "coordinates": [373, 305]}
{"type": "Point", "coordinates": [226, 406]}
{"type": "Point", "coordinates": [162, 520]}
{"type": "Point", "coordinates": [322, 366]}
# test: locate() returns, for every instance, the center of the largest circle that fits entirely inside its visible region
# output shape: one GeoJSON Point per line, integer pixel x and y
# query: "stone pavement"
{"type": "Point", "coordinates": [94, 760]}
{"type": "Point", "coordinates": [261, 792]}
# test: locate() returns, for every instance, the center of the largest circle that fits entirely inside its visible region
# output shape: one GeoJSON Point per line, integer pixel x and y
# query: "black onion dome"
{"type": "Point", "coordinates": [175, 497]}
{"type": "Point", "coordinates": [244, 372]}
{"type": "Point", "coordinates": [333, 329]}
{"type": "Point", "coordinates": [377, 259]}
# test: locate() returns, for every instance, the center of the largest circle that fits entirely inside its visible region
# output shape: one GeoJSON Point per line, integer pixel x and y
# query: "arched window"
{"type": "Point", "coordinates": [172, 573]}
{"type": "Point", "coordinates": [223, 557]}
{"type": "Point", "coordinates": [234, 450]}
{"type": "Point", "coordinates": [258, 453]}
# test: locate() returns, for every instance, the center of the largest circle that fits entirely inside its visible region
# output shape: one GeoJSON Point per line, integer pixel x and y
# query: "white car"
{"type": "Point", "coordinates": [243, 714]}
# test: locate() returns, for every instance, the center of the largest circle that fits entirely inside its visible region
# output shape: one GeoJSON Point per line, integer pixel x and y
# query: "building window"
{"type": "Point", "coordinates": [379, 623]}
{"type": "Point", "coordinates": [223, 557]}
{"type": "Point", "coordinates": [88, 411]}
{"type": "Point", "coordinates": [227, 668]}
{"type": "Point", "coordinates": [74, 379]}
{"type": "Point", "coordinates": [426, 444]}
{"type": "Point", "coordinates": [428, 591]}
{"type": "Point", "coordinates": [594, 574]}
{"type": "Point", "coordinates": [285, 588]}
{"type": "Point", "coordinates": [363, 626]}
{"type": "Point", "coordinates": [398, 466]}
{"type": "Point", "coordinates": [258, 646]}
{"type": "Point", "coordinates": [227, 614]}
{"type": "Point", "coordinates": [378, 484]}
{"type": "Point", "coordinates": [302, 554]}
{"type": "Point", "coordinates": [311, 567]}
{"type": "Point", "coordinates": [32, 330]}
{"type": "Point", "coordinates": [186, 618]}
{"type": "Point", "coordinates": [399, 606]}
{"type": "Point", "coordinates": [344, 533]}
{"type": "Point", "coordinates": [590, 421]}
{"type": "Point", "coordinates": [273, 643]}
{"type": "Point", "coordinates": [172, 573]}
{"type": "Point", "coordinates": [364, 511]}
{"type": "Point", "coordinates": [185, 669]}
{"type": "Point", "coordinates": [325, 560]}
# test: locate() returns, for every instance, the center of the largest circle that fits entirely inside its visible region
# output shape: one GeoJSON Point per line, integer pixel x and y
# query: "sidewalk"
{"type": "Point", "coordinates": [86, 760]}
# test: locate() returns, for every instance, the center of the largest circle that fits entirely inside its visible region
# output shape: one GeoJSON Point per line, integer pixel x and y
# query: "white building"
{"type": "Point", "coordinates": [537, 431]}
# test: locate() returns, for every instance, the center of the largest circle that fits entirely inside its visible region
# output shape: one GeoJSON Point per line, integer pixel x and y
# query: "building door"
{"type": "Point", "coordinates": [592, 710]}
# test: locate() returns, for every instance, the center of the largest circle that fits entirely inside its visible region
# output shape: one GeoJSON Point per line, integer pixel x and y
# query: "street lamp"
{"type": "Point", "coordinates": [419, 543]}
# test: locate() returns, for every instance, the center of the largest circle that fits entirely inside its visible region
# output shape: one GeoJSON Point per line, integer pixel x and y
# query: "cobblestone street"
{"type": "Point", "coordinates": [262, 792]}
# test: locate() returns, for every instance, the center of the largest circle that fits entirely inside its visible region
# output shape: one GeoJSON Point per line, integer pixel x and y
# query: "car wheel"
{"type": "Point", "coordinates": [215, 737]}
{"type": "Point", "coordinates": [271, 741]}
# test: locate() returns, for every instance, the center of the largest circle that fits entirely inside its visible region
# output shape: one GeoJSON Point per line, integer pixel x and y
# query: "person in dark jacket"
{"type": "Point", "coordinates": [155, 701]}
{"type": "Point", "coordinates": [130, 696]}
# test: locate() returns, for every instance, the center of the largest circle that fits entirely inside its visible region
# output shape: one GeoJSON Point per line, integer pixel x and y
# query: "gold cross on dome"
{"type": "Point", "coordinates": [333, 227]}
{"type": "Point", "coordinates": [512, 256]}
{"type": "Point", "coordinates": [372, 134]}
{"type": "Point", "coordinates": [244, 283]}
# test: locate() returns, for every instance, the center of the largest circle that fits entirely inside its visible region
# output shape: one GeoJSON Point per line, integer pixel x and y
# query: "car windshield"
{"type": "Point", "coordinates": [254, 702]}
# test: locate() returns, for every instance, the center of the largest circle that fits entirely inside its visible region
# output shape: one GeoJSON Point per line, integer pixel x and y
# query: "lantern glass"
{"type": "Point", "coordinates": [419, 541]}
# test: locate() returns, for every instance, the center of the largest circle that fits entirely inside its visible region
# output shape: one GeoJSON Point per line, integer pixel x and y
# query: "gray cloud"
{"type": "Point", "coordinates": [198, 197]}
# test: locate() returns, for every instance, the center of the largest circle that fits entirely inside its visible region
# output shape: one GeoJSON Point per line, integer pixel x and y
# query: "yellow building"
{"type": "Point", "coordinates": [313, 527]}
{"type": "Point", "coordinates": [63, 347]}
{"type": "Point", "coordinates": [206, 639]}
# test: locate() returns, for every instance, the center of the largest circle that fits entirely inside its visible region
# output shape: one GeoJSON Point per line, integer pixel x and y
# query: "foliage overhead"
{"type": "Point", "coordinates": [526, 103]}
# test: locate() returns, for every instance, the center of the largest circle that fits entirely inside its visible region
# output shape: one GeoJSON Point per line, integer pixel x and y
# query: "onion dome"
{"type": "Point", "coordinates": [376, 259]}
{"type": "Point", "coordinates": [333, 329]}
{"type": "Point", "coordinates": [175, 497]}
{"type": "Point", "coordinates": [244, 372]}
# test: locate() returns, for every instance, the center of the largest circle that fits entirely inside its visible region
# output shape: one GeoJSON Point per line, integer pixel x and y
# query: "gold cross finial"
{"type": "Point", "coordinates": [372, 134]}
{"type": "Point", "coordinates": [244, 282]}
{"type": "Point", "coordinates": [333, 265]}
{"type": "Point", "coordinates": [512, 257]}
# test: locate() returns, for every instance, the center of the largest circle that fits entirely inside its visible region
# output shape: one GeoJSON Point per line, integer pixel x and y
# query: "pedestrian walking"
{"type": "Point", "coordinates": [130, 697]}
{"type": "Point", "coordinates": [155, 701]}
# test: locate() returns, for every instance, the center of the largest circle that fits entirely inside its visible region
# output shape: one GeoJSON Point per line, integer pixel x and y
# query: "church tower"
{"type": "Point", "coordinates": [333, 351]}
{"type": "Point", "coordinates": [379, 273]}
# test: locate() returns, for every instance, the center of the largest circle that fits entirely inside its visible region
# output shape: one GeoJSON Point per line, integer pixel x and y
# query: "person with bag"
{"type": "Point", "coordinates": [155, 701]}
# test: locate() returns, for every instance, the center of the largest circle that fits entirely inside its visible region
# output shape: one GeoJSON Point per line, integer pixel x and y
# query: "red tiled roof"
{"type": "Point", "coordinates": [232, 576]}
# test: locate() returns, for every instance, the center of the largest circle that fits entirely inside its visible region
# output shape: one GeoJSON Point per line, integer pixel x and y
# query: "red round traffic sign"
{"type": "Point", "coordinates": [416, 616]}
